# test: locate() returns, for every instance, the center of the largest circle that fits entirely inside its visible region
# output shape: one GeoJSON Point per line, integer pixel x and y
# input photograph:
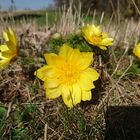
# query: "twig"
{"type": "Point", "coordinates": [131, 62]}
{"type": "Point", "coordinates": [136, 7]}
{"type": "Point", "coordinates": [119, 61]}
{"type": "Point", "coordinates": [45, 131]}
{"type": "Point", "coordinates": [101, 19]}
{"type": "Point", "coordinates": [9, 109]}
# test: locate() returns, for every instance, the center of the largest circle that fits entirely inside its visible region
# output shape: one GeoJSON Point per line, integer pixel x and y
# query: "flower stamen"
{"type": "Point", "coordinates": [69, 74]}
{"type": "Point", "coordinates": [96, 39]}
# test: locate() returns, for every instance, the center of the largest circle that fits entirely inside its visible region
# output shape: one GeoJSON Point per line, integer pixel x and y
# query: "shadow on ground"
{"type": "Point", "coordinates": [122, 123]}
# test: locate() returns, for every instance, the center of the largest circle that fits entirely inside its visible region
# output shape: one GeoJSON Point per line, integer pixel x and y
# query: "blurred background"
{"type": "Point", "coordinates": [123, 8]}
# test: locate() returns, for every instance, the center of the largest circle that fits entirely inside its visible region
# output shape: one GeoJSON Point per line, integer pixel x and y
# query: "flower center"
{"type": "Point", "coordinates": [96, 39]}
{"type": "Point", "coordinates": [69, 74]}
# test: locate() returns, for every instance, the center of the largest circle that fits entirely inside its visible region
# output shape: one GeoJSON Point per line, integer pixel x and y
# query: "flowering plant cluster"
{"type": "Point", "coordinates": [96, 37]}
{"type": "Point", "coordinates": [68, 73]}
{"type": "Point", "coordinates": [8, 50]}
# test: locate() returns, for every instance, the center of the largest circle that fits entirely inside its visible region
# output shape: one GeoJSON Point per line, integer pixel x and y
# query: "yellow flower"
{"type": "Point", "coordinates": [136, 50]}
{"type": "Point", "coordinates": [68, 74]}
{"type": "Point", "coordinates": [96, 37]}
{"type": "Point", "coordinates": [9, 50]}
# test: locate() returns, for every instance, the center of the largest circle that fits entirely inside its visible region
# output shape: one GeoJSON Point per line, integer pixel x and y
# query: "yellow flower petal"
{"type": "Point", "coordinates": [54, 60]}
{"type": "Point", "coordinates": [107, 41]}
{"type": "Point", "coordinates": [97, 31]}
{"type": "Point", "coordinates": [102, 47]}
{"type": "Point", "coordinates": [5, 36]}
{"type": "Point", "coordinates": [53, 93]}
{"type": "Point", "coordinates": [51, 83]}
{"type": "Point", "coordinates": [65, 51]}
{"type": "Point", "coordinates": [67, 96]}
{"type": "Point", "coordinates": [86, 95]}
{"type": "Point", "coordinates": [48, 57]}
{"type": "Point", "coordinates": [136, 50]}
{"type": "Point", "coordinates": [10, 39]}
{"type": "Point", "coordinates": [91, 74]}
{"type": "Point", "coordinates": [72, 57]}
{"type": "Point", "coordinates": [104, 35]}
{"type": "Point", "coordinates": [4, 62]}
{"type": "Point", "coordinates": [45, 72]}
{"type": "Point", "coordinates": [86, 84]}
{"type": "Point", "coordinates": [8, 54]}
{"type": "Point", "coordinates": [91, 30]}
{"type": "Point", "coordinates": [4, 48]}
{"type": "Point", "coordinates": [76, 94]}
{"type": "Point", "coordinates": [82, 59]}
{"type": "Point", "coordinates": [85, 60]}
{"type": "Point", "coordinates": [87, 78]}
{"type": "Point", "coordinates": [41, 73]}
